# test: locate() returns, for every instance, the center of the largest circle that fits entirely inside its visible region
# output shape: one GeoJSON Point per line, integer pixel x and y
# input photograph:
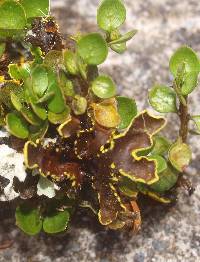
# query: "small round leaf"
{"type": "Point", "coordinates": [79, 105]}
{"type": "Point", "coordinates": [17, 126]}
{"type": "Point", "coordinates": [180, 155]}
{"type": "Point", "coordinates": [93, 49]}
{"type": "Point", "coordinates": [184, 55]}
{"type": "Point", "coordinates": [56, 222]}
{"type": "Point", "coordinates": [104, 87]}
{"type": "Point", "coordinates": [39, 80]}
{"type": "Point", "coordinates": [12, 15]}
{"type": "Point", "coordinates": [28, 219]}
{"type": "Point", "coordinates": [70, 62]}
{"type": "Point", "coordinates": [35, 8]}
{"type": "Point", "coordinates": [111, 14]}
{"type": "Point", "coordinates": [127, 110]}
{"type": "Point", "coordinates": [119, 48]}
{"type": "Point", "coordinates": [106, 114]}
{"type": "Point", "coordinates": [190, 82]}
{"type": "Point", "coordinates": [163, 99]}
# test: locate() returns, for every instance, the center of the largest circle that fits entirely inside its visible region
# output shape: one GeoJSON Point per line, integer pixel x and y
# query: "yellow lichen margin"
{"type": "Point", "coordinates": [25, 150]}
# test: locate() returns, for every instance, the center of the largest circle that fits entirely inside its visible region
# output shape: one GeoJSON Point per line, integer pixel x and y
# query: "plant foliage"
{"type": "Point", "coordinates": [83, 145]}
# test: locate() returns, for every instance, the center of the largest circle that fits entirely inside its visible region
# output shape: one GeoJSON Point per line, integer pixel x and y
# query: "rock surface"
{"type": "Point", "coordinates": [167, 235]}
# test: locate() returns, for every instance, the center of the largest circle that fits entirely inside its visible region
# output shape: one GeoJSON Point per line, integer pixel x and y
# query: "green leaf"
{"type": "Point", "coordinates": [30, 117]}
{"type": "Point", "coordinates": [161, 145]}
{"type": "Point", "coordinates": [28, 219]}
{"type": "Point", "coordinates": [35, 8]}
{"type": "Point", "coordinates": [104, 87]}
{"type": "Point", "coordinates": [163, 99]}
{"type": "Point", "coordinates": [111, 14]}
{"type": "Point", "coordinates": [93, 49]}
{"type": "Point", "coordinates": [39, 80]}
{"type": "Point", "coordinates": [47, 97]}
{"type": "Point", "coordinates": [128, 187]}
{"type": "Point", "coordinates": [190, 82]}
{"type": "Point", "coordinates": [59, 118]}
{"type": "Point", "coordinates": [12, 15]}
{"type": "Point", "coordinates": [2, 49]}
{"type": "Point", "coordinates": [180, 155]}
{"type": "Point", "coordinates": [19, 72]}
{"type": "Point", "coordinates": [127, 110]}
{"type": "Point", "coordinates": [56, 222]}
{"type": "Point", "coordinates": [196, 119]}
{"type": "Point", "coordinates": [38, 132]}
{"type": "Point", "coordinates": [161, 162]}
{"type": "Point", "coordinates": [70, 62]}
{"type": "Point", "coordinates": [167, 179]}
{"type": "Point", "coordinates": [17, 126]}
{"type": "Point", "coordinates": [53, 59]}
{"type": "Point", "coordinates": [124, 38]}
{"type": "Point", "coordinates": [119, 48]}
{"type": "Point", "coordinates": [16, 101]}
{"type": "Point", "coordinates": [56, 104]}
{"type": "Point", "coordinates": [13, 71]}
{"type": "Point", "coordinates": [39, 110]}
{"type": "Point", "coordinates": [184, 55]}
{"type": "Point", "coordinates": [79, 105]}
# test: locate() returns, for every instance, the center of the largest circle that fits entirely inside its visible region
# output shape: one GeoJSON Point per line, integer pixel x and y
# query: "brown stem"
{"type": "Point", "coordinates": [184, 120]}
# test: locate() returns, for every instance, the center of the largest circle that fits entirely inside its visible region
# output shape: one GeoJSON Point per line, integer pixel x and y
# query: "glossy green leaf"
{"type": "Point", "coordinates": [93, 49]}
{"type": "Point", "coordinates": [187, 56]}
{"type": "Point", "coordinates": [39, 80]}
{"type": "Point", "coordinates": [19, 72]}
{"type": "Point", "coordinates": [161, 162]}
{"type": "Point", "coordinates": [25, 70]}
{"type": "Point", "coordinates": [59, 118]}
{"type": "Point", "coordinates": [104, 87]}
{"type": "Point", "coordinates": [28, 219]}
{"type": "Point", "coordinates": [180, 155]}
{"type": "Point", "coordinates": [56, 104]}
{"type": "Point", "coordinates": [16, 101]}
{"type": "Point", "coordinates": [12, 15]}
{"type": "Point", "coordinates": [2, 49]}
{"type": "Point", "coordinates": [119, 48]}
{"type": "Point", "coordinates": [13, 71]}
{"type": "Point", "coordinates": [127, 110]}
{"type": "Point", "coordinates": [79, 105]}
{"type": "Point", "coordinates": [128, 187]}
{"type": "Point", "coordinates": [39, 110]}
{"type": "Point", "coordinates": [124, 38]}
{"type": "Point", "coordinates": [190, 82]}
{"type": "Point", "coordinates": [163, 99]}
{"type": "Point", "coordinates": [17, 126]}
{"type": "Point", "coordinates": [56, 222]}
{"type": "Point", "coordinates": [30, 116]}
{"type": "Point", "coordinates": [111, 14]}
{"type": "Point", "coordinates": [161, 145]}
{"type": "Point", "coordinates": [35, 8]}
{"type": "Point", "coordinates": [70, 62]}
{"type": "Point", "coordinates": [47, 97]}
{"type": "Point", "coordinates": [167, 179]}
